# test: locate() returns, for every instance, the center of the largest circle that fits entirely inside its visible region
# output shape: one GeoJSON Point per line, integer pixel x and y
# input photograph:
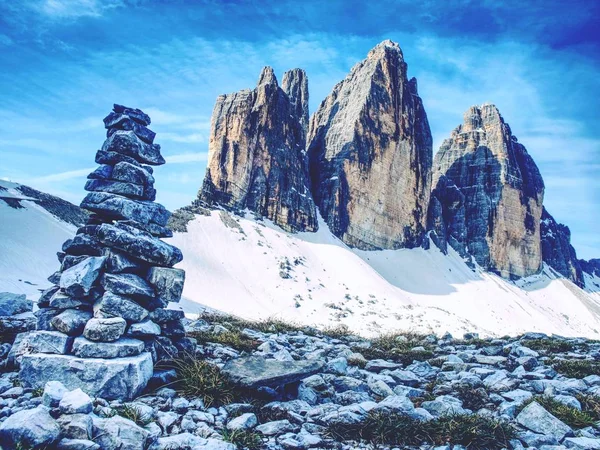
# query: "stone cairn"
{"type": "Point", "coordinates": [107, 320]}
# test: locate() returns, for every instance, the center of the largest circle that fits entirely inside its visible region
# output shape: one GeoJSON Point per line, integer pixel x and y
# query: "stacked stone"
{"type": "Point", "coordinates": [110, 303]}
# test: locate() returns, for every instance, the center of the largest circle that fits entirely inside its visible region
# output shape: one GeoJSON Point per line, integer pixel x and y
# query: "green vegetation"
{"type": "Point", "coordinates": [234, 339]}
{"type": "Point", "coordinates": [590, 404]}
{"type": "Point", "coordinates": [134, 414]}
{"type": "Point", "coordinates": [387, 428]}
{"type": "Point", "coordinates": [576, 368]}
{"type": "Point", "coordinates": [549, 345]}
{"type": "Point", "coordinates": [472, 398]}
{"type": "Point", "coordinates": [200, 379]}
{"type": "Point", "coordinates": [398, 348]}
{"type": "Point", "coordinates": [243, 439]}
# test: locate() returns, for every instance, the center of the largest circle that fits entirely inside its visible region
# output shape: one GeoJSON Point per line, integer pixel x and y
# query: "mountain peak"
{"type": "Point", "coordinates": [267, 76]}
{"type": "Point", "coordinates": [388, 44]}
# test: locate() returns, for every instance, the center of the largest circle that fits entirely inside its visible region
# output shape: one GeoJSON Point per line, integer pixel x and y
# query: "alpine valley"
{"type": "Point", "coordinates": [350, 217]}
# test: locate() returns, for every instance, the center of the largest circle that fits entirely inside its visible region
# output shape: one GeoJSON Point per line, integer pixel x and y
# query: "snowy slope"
{"type": "Point", "coordinates": [30, 236]}
{"type": "Point", "coordinates": [242, 266]}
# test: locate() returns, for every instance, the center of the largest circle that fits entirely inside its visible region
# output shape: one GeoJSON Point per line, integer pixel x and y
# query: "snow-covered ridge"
{"type": "Point", "coordinates": [253, 269]}
{"type": "Point", "coordinates": [30, 236]}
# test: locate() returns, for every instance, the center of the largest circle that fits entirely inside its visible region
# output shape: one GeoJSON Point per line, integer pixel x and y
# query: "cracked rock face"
{"type": "Point", "coordinates": [370, 153]}
{"type": "Point", "coordinates": [256, 152]}
{"type": "Point", "coordinates": [503, 193]}
{"type": "Point", "coordinates": [557, 250]}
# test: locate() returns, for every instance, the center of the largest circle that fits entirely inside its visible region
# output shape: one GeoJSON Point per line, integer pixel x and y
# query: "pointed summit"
{"type": "Point", "coordinates": [497, 220]}
{"type": "Point", "coordinates": [256, 156]}
{"type": "Point", "coordinates": [370, 152]}
{"type": "Point", "coordinates": [267, 76]}
{"type": "Point", "coordinates": [295, 85]}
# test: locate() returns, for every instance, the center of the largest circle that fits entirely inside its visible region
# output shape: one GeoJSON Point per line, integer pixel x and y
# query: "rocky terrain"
{"type": "Point", "coordinates": [501, 193]}
{"type": "Point", "coordinates": [370, 152]}
{"type": "Point", "coordinates": [275, 385]}
{"type": "Point", "coordinates": [256, 152]}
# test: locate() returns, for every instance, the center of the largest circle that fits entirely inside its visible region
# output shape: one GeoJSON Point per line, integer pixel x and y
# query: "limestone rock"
{"type": "Point", "coordinates": [295, 85]}
{"type": "Point", "coordinates": [127, 143]}
{"type": "Point", "coordinates": [114, 305]}
{"type": "Point", "coordinates": [535, 418]}
{"type": "Point", "coordinates": [71, 321]}
{"type": "Point", "coordinates": [138, 244]}
{"type": "Point", "coordinates": [167, 282]}
{"type": "Point", "coordinates": [120, 207]}
{"type": "Point", "coordinates": [127, 284]}
{"type": "Point", "coordinates": [79, 279]}
{"type": "Point", "coordinates": [32, 428]}
{"type": "Point", "coordinates": [370, 152]}
{"type": "Point", "coordinates": [120, 348]}
{"type": "Point", "coordinates": [254, 371]}
{"type": "Point", "coordinates": [503, 193]}
{"type": "Point", "coordinates": [76, 402]}
{"type": "Point", "coordinates": [12, 304]}
{"type": "Point", "coordinates": [256, 154]}
{"type": "Point", "coordinates": [557, 250]}
{"type": "Point", "coordinates": [120, 378]}
{"type": "Point", "coordinates": [105, 330]}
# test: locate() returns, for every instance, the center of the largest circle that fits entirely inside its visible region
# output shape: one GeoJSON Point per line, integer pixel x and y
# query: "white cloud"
{"type": "Point", "coordinates": [72, 9]}
{"type": "Point", "coordinates": [62, 176]}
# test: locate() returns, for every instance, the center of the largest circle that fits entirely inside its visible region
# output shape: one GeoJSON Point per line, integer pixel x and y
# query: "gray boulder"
{"type": "Point", "coordinates": [77, 444]}
{"type": "Point", "coordinates": [143, 329]}
{"type": "Point", "coordinates": [138, 244]}
{"type": "Point", "coordinates": [47, 342]}
{"type": "Point", "coordinates": [118, 349]}
{"type": "Point", "coordinates": [130, 173]}
{"type": "Point", "coordinates": [75, 402]}
{"type": "Point", "coordinates": [12, 304]}
{"type": "Point", "coordinates": [117, 187]}
{"type": "Point", "coordinates": [127, 284]}
{"type": "Point", "coordinates": [254, 371]}
{"type": "Point", "coordinates": [244, 422]}
{"type": "Point", "coordinates": [53, 393]}
{"type": "Point", "coordinates": [29, 429]}
{"type": "Point", "coordinates": [119, 207]}
{"type": "Point", "coordinates": [114, 305]}
{"type": "Point", "coordinates": [120, 378]}
{"type": "Point", "coordinates": [167, 282]}
{"type": "Point", "coordinates": [127, 143]}
{"type": "Point", "coordinates": [118, 433]}
{"type": "Point", "coordinates": [105, 330]}
{"type": "Point", "coordinates": [71, 322]}
{"type": "Point", "coordinates": [535, 418]}
{"type": "Point", "coordinates": [78, 280]}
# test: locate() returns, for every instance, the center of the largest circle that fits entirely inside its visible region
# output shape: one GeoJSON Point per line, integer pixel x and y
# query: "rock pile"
{"type": "Point", "coordinates": [318, 388]}
{"type": "Point", "coordinates": [107, 318]}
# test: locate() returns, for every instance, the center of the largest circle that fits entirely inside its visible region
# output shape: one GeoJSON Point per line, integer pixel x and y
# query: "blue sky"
{"type": "Point", "coordinates": [64, 62]}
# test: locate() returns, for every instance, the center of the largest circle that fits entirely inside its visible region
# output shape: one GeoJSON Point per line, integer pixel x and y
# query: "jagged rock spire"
{"type": "Point", "coordinates": [295, 85]}
{"type": "Point", "coordinates": [370, 153]}
{"type": "Point", "coordinates": [498, 222]}
{"type": "Point", "coordinates": [256, 154]}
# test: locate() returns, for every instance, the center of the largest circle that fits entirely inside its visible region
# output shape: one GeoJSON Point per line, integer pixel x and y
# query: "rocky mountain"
{"type": "Point", "coordinates": [495, 215]}
{"type": "Point", "coordinates": [370, 152]}
{"type": "Point", "coordinates": [256, 152]}
{"type": "Point", "coordinates": [557, 250]}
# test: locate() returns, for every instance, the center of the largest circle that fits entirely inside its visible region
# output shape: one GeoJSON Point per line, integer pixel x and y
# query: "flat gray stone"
{"type": "Point", "coordinates": [120, 378]}
{"type": "Point", "coordinates": [254, 371]}
{"type": "Point", "coordinates": [77, 444]}
{"type": "Point", "coordinates": [582, 443]}
{"type": "Point", "coordinates": [105, 330]}
{"type": "Point", "coordinates": [78, 280]}
{"type": "Point", "coordinates": [143, 329]}
{"type": "Point", "coordinates": [535, 418]}
{"type": "Point", "coordinates": [127, 284]}
{"type": "Point", "coordinates": [114, 305]}
{"type": "Point", "coordinates": [47, 342]}
{"type": "Point", "coordinates": [12, 304]}
{"type": "Point", "coordinates": [53, 393]}
{"type": "Point", "coordinates": [120, 433]}
{"type": "Point", "coordinates": [120, 348]}
{"type": "Point", "coordinates": [31, 428]}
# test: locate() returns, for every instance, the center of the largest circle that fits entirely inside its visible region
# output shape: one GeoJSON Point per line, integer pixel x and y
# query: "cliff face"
{"type": "Point", "coordinates": [557, 250]}
{"type": "Point", "coordinates": [256, 152]}
{"type": "Point", "coordinates": [503, 193]}
{"type": "Point", "coordinates": [370, 153]}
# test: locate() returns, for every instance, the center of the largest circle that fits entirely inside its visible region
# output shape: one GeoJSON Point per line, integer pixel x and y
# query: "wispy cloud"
{"type": "Point", "coordinates": [186, 158]}
{"type": "Point", "coordinates": [61, 176]}
{"type": "Point", "coordinates": [71, 9]}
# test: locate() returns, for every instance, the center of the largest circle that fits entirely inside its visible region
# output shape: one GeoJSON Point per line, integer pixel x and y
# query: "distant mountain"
{"type": "Point", "coordinates": [32, 229]}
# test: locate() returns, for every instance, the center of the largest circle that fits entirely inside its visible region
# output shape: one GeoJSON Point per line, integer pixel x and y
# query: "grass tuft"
{"type": "Point", "coordinates": [390, 428]}
{"type": "Point", "coordinates": [199, 379]}
{"type": "Point", "coordinates": [549, 345]}
{"type": "Point", "coordinates": [398, 348]}
{"type": "Point", "coordinates": [234, 339]}
{"type": "Point", "coordinates": [134, 414]}
{"type": "Point", "coordinates": [243, 439]}
{"type": "Point", "coordinates": [574, 368]}
{"type": "Point", "coordinates": [590, 404]}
